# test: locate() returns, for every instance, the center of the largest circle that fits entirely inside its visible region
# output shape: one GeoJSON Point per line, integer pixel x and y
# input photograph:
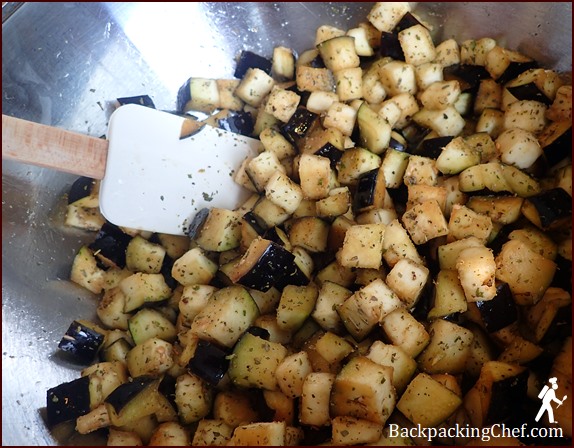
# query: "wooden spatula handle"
{"type": "Point", "coordinates": [46, 146]}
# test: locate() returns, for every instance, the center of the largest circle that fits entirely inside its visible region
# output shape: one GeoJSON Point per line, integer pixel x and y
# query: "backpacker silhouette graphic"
{"type": "Point", "coordinates": [547, 395]}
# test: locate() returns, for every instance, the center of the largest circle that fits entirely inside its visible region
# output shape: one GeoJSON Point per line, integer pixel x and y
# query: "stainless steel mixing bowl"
{"type": "Point", "coordinates": [63, 63]}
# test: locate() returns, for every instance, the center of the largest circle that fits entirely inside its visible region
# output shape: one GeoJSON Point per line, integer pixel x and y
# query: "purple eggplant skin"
{"type": "Point", "coordinates": [468, 75]}
{"type": "Point", "coordinates": [81, 342]}
{"type": "Point", "coordinates": [166, 268]}
{"type": "Point", "coordinates": [298, 125]}
{"type": "Point", "coordinates": [268, 270]}
{"type": "Point", "coordinates": [68, 401]}
{"type": "Point", "coordinates": [256, 222]}
{"type": "Point", "coordinates": [391, 47]}
{"type": "Point", "coordinates": [315, 436]}
{"type": "Point", "coordinates": [563, 276]}
{"type": "Point", "coordinates": [558, 148]}
{"type": "Point", "coordinates": [331, 152]}
{"type": "Point", "coordinates": [501, 236]}
{"type": "Point", "coordinates": [316, 62]}
{"type": "Point", "coordinates": [399, 196]}
{"type": "Point", "coordinates": [209, 362]}
{"type": "Point", "coordinates": [407, 21]}
{"type": "Point", "coordinates": [294, 276]}
{"type": "Point", "coordinates": [277, 235]}
{"type": "Point", "coordinates": [126, 392]}
{"type": "Point", "coordinates": [81, 188]}
{"type": "Point", "coordinates": [552, 206]}
{"type": "Point", "coordinates": [514, 69]}
{"type": "Point", "coordinates": [529, 92]}
{"type": "Point", "coordinates": [183, 96]}
{"type": "Point", "coordinates": [166, 265]}
{"type": "Point", "coordinates": [142, 100]}
{"type": "Point", "coordinates": [260, 332]}
{"type": "Point", "coordinates": [197, 223]}
{"type": "Point", "coordinates": [429, 251]}
{"type": "Point", "coordinates": [500, 311]}
{"type": "Point", "coordinates": [366, 189]}
{"type": "Point", "coordinates": [238, 122]}
{"type": "Point", "coordinates": [398, 142]}
{"type": "Point", "coordinates": [507, 395]}
{"type": "Point", "coordinates": [303, 94]}
{"type": "Point", "coordinates": [248, 59]}
{"type": "Point", "coordinates": [432, 147]}
{"type": "Point", "coordinates": [424, 302]}
{"type": "Point", "coordinates": [167, 389]}
{"type": "Point", "coordinates": [112, 243]}
{"type": "Point", "coordinates": [414, 134]}
{"type": "Point", "coordinates": [560, 328]}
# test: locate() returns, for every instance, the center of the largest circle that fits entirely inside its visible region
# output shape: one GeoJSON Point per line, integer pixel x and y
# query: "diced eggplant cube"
{"type": "Point", "coordinates": [239, 122]}
{"type": "Point", "coordinates": [183, 96]}
{"type": "Point", "coordinates": [263, 265]}
{"type": "Point", "coordinates": [407, 21]}
{"type": "Point", "coordinates": [563, 276]}
{"type": "Point", "coordinates": [556, 142]}
{"type": "Point", "coordinates": [385, 16]}
{"type": "Point", "coordinates": [391, 47]}
{"type": "Point", "coordinates": [167, 388]}
{"type": "Point", "coordinates": [398, 142]}
{"type": "Point", "coordinates": [399, 196]}
{"type": "Point", "coordinates": [255, 222]}
{"type": "Point", "coordinates": [247, 60]}
{"type": "Point", "coordinates": [315, 436]}
{"type": "Point", "coordinates": [370, 191]}
{"type": "Point", "coordinates": [294, 276]}
{"type": "Point", "coordinates": [277, 235]}
{"type": "Point", "coordinates": [331, 152]}
{"type": "Point", "coordinates": [81, 188]}
{"type": "Point", "coordinates": [499, 240]}
{"type": "Point", "coordinates": [530, 92]}
{"type": "Point", "coordinates": [68, 401]}
{"type": "Point", "coordinates": [549, 208]}
{"type": "Point", "coordinates": [500, 311]}
{"type": "Point", "coordinates": [561, 326]}
{"type": "Point", "coordinates": [209, 362]}
{"type": "Point", "coordinates": [116, 351]}
{"type": "Point", "coordinates": [82, 342]}
{"type": "Point", "coordinates": [142, 100]}
{"type": "Point", "coordinates": [304, 95]}
{"type": "Point", "coordinates": [111, 243]}
{"type": "Point", "coordinates": [417, 45]}
{"type": "Point", "coordinates": [166, 267]}
{"type": "Point", "coordinates": [432, 147]}
{"type": "Point", "coordinates": [514, 69]}
{"type": "Point", "coordinates": [506, 396]}
{"type": "Point", "coordinates": [298, 125]}
{"type": "Point", "coordinates": [414, 134]}
{"type": "Point", "coordinates": [125, 394]}
{"type": "Point", "coordinates": [316, 62]}
{"type": "Point", "coordinates": [468, 75]}
{"type": "Point", "coordinates": [254, 362]}
{"type": "Point", "coordinates": [197, 223]}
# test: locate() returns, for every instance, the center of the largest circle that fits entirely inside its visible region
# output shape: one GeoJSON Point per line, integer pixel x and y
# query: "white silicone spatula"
{"type": "Point", "coordinates": [151, 179]}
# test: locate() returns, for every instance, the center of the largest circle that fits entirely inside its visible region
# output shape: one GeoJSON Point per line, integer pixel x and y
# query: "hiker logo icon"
{"type": "Point", "coordinates": [548, 396]}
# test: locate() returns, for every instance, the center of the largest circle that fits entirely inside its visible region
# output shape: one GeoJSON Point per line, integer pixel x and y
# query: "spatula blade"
{"type": "Point", "coordinates": [154, 181]}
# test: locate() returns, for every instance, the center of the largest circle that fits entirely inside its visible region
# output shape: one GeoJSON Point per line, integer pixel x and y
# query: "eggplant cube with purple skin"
{"type": "Point", "coordinates": [68, 401]}
{"type": "Point", "coordinates": [82, 342]}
